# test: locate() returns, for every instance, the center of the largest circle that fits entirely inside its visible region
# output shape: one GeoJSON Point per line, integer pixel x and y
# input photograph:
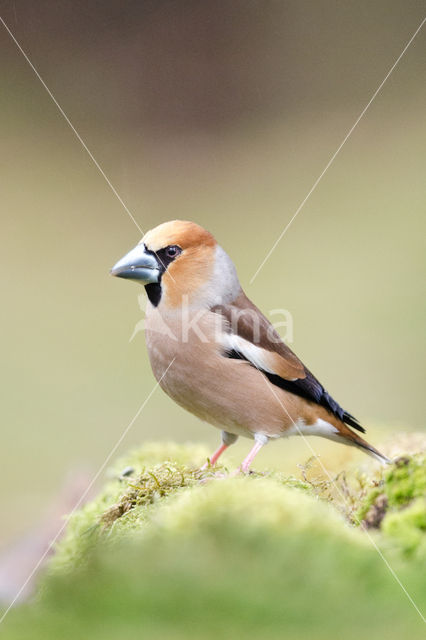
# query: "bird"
{"type": "Point", "coordinates": [215, 353]}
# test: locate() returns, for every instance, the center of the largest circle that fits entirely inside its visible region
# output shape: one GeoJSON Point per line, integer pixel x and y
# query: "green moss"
{"type": "Point", "coordinates": [368, 503]}
{"type": "Point", "coordinates": [169, 551]}
{"type": "Point", "coordinates": [157, 474]}
{"type": "Point", "coordinates": [129, 500]}
{"type": "Point", "coordinates": [126, 500]}
{"type": "Point", "coordinates": [408, 526]}
{"type": "Point", "coordinates": [397, 505]}
{"type": "Point", "coordinates": [406, 480]}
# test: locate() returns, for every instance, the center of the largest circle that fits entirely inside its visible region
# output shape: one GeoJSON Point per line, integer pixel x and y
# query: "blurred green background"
{"type": "Point", "coordinates": [223, 113]}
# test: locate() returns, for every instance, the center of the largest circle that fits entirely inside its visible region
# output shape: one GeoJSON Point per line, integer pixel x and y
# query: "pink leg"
{"type": "Point", "coordinates": [215, 456]}
{"type": "Point", "coordinates": [253, 453]}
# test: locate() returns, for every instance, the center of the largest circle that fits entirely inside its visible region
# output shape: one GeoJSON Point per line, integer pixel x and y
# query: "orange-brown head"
{"type": "Point", "coordinates": [180, 262]}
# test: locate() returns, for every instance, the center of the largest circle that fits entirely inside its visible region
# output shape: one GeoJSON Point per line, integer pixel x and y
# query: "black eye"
{"type": "Point", "coordinates": [172, 251]}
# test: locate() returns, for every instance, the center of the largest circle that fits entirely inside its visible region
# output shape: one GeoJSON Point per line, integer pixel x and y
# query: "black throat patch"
{"type": "Point", "coordinates": [153, 289]}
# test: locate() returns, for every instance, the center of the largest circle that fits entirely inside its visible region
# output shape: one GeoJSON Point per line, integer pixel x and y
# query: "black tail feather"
{"type": "Point", "coordinates": [351, 421]}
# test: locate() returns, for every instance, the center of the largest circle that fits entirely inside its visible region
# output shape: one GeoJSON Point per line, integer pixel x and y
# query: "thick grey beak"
{"type": "Point", "coordinates": [137, 265]}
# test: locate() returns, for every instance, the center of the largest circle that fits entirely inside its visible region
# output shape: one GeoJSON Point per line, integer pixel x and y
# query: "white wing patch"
{"type": "Point", "coordinates": [256, 355]}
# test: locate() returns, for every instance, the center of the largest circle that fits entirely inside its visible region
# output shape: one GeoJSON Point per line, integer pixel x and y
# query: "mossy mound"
{"type": "Point", "coordinates": [397, 506]}
{"type": "Point", "coordinates": [142, 484]}
{"type": "Point", "coordinates": [167, 551]}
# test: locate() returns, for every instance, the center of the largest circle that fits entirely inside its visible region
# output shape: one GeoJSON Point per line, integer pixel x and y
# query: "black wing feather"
{"type": "Point", "coordinates": [309, 388]}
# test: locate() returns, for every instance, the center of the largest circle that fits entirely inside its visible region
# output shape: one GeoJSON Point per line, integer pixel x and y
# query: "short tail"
{"type": "Point", "coordinates": [351, 438]}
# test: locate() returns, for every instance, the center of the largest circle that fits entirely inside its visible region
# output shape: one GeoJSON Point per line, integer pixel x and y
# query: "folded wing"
{"type": "Point", "coordinates": [251, 337]}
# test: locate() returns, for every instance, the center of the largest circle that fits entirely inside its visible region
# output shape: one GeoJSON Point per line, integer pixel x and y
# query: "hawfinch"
{"type": "Point", "coordinates": [216, 354]}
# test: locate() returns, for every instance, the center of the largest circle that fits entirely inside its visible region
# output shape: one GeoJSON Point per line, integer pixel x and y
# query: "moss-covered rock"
{"type": "Point", "coordinates": [141, 484]}
{"type": "Point", "coordinates": [397, 506]}
{"type": "Point", "coordinates": [406, 480]}
{"type": "Point", "coordinates": [167, 551]}
{"type": "Point", "coordinates": [135, 486]}
{"type": "Point", "coordinates": [408, 526]}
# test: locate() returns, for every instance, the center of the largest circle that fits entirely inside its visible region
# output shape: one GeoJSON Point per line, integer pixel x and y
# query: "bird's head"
{"type": "Point", "coordinates": [178, 261]}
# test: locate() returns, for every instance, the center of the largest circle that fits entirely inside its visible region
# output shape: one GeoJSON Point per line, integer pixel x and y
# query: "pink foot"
{"type": "Point", "coordinates": [260, 441]}
{"type": "Point", "coordinates": [212, 461]}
